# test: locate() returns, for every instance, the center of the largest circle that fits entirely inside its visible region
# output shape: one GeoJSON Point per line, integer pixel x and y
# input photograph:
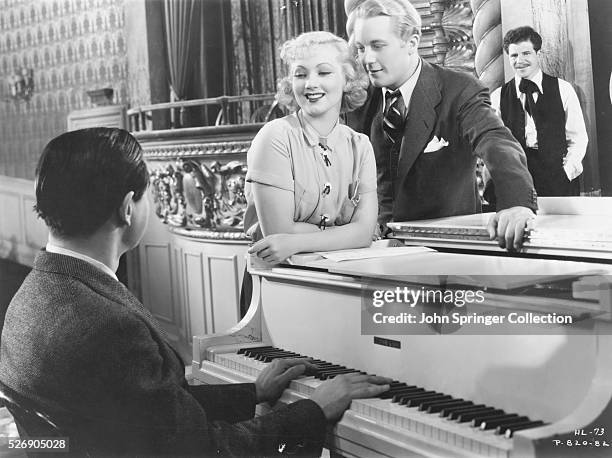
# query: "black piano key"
{"type": "Point", "coordinates": [344, 371]}
{"type": "Point", "coordinates": [262, 349]}
{"type": "Point", "coordinates": [475, 410]}
{"type": "Point", "coordinates": [267, 356]}
{"type": "Point", "coordinates": [270, 358]}
{"type": "Point", "coordinates": [417, 394]}
{"type": "Point", "coordinates": [479, 416]}
{"type": "Point", "coordinates": [436, 407]}
{"type": "Point", "coordinates": [510, 419]}
{"type": "Point", "coordinates": [425, 403]}
{"type": "Point", "coordinates": [453, 412]}
{"type": "Point", "coordinates": [253, 352]}
{"type": "Point", "coordinates": [242, 350]}
{"type": "Point", "coordinates": [324, 365]}
{"type": "Point", "coordinates": [330, 368]}
{"type": "Point", "coordinates": [321, 373]}
{"type": "Point", "coordinates": [397, 397]}
{"type": "Point", "coordinates": [274, 352]}
{"type": "Point", "coordinates": [501, 429]}
{"type": "Point", "coordinates": [396, 389]}
{"type": "Point", "coordinates": [511, 429]}
{"type": "Point", "coordinates": [416, 402]}
{"type": "Point", "coordinates": [263, 356]}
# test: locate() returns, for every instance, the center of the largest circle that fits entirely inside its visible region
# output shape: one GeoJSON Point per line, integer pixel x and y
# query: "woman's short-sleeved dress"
{"type": "Point", "coordinates": [327, 175]}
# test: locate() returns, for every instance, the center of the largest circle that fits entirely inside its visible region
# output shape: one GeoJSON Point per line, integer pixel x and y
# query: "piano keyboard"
{"type": "Point", "coordinates": [476, 429]}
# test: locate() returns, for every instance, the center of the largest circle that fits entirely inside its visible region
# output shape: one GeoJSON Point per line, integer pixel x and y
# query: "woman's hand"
{"type": "Point", "coordinates": [275, 248]}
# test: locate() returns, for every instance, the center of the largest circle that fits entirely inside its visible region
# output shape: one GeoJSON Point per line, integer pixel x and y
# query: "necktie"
{"type": "Point", "coordinates": [393, 116]}
{"type": "Point", "coordinates": [528, 87]}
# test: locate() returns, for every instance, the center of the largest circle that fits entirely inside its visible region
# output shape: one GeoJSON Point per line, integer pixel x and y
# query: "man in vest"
{"type": "Point", "coordinates": [543, 113]}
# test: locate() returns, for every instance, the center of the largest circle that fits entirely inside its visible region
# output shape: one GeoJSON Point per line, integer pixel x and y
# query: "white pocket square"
{"type": "Point", "coordinates": [435, 144]}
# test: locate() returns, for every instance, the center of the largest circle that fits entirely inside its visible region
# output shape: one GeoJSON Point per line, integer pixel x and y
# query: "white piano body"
{"type": "Point", "coordinates": [563, 379]}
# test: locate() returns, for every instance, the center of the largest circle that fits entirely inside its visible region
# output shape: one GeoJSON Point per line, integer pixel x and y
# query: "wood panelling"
{"type": "Point", "coordinates": [193, 284]}
{"type": "Point", "coordinates": [158, 290]}
{"type": "Point", "coordinates": [224, 275]}
{"type": "Point", "coordinates": [22, 233]}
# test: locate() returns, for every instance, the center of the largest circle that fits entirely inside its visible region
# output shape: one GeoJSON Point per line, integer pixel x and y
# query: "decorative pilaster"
{"type": "Point", "coordinates": [440, 40]}
{"type": "Point", "coordinates": [487, 29]}
{"type": "Point", "coordinates": [457, 25]}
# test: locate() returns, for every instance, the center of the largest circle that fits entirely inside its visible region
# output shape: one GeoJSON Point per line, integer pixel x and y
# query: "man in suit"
{"type": "Point", "coordinates": [428, 125]}
{"type": "Point", "coordinates": [85, 351]}
{"type": "Point", "coordinates": [544, 115]}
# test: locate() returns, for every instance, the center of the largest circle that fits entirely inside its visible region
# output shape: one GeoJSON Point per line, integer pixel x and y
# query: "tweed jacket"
{"type": "Point", "coordinates": [80, 345]}
{"type": "Point", "coordinates": [449, 124]}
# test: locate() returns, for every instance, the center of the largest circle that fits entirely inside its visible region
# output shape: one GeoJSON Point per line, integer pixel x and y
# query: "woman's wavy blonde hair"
{"type": "Point", "coordinates": [355, 90]}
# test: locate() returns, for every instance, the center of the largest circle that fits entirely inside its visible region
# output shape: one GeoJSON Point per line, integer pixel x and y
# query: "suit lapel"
{"type": "Point", "coordinates": [422, 117]}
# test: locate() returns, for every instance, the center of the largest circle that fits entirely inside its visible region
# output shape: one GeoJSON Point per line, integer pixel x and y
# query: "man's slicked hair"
{"type": "Point", "coordinates": [403, 13]}
{"type": "Point", "coordinates": [521, 34]}
{"type": "Point", "coordinates": [82, 177]}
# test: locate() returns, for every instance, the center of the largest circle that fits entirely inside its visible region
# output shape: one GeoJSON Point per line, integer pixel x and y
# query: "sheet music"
{"type": "Point", "coordinates": [378, 249]}
{"type": "Point", "coordinates": [368, 253]}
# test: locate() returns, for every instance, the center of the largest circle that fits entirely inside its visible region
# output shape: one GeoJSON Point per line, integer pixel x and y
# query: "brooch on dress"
{"type": "Point", "coordinates": [325, 149]}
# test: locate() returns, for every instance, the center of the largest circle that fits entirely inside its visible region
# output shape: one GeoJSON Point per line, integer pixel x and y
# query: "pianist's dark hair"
{"type": "Point", "coordinates": [82, 177]}
{"type": "Point", "coordinates": [521, 34]}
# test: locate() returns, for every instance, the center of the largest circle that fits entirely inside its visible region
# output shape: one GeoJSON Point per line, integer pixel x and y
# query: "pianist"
{"type": "Point", "coordinates": [79, 346]}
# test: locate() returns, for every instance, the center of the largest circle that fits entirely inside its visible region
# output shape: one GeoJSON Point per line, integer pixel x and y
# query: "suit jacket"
{"type": "Point", "coordinates": [82, 347]}
{"type": "Point", "coordinates": [455, 108]}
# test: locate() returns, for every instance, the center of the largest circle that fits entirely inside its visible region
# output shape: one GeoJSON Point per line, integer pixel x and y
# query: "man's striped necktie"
{"type": "Point", "coordinates": [393, 116]}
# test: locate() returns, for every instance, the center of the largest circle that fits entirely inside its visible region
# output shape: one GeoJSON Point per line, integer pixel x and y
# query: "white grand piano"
{"type": "Point", "coordinates": [523, 390]}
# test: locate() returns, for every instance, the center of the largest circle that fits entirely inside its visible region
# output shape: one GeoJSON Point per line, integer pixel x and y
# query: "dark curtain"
{"type": "Point", "coordinates": [230, 47]}
{"type": "Point", "coordinates": [182, 21]}
{"type": "Point", "coordinates": [261, 26]}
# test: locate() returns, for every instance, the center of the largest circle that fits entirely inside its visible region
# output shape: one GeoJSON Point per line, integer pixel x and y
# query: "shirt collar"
{"type": "Point", "coordinates": [407, 88]}
{"type": "Point", "coordinates": [537, 78]}
{"type": "Point", "coordinates": [312, 136]}
{"type": "Point", "coordinates": [94, 262]}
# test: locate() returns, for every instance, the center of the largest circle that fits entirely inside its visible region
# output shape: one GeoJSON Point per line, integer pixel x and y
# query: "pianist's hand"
{"type": "Point", "coordinates": [508, 226]}
{"type": "Point", "coordinates": [334, 396]}
{"type": "Point", "coordinates": [273, 380]}
{"type": "Point", "coordinates": [276, 248]}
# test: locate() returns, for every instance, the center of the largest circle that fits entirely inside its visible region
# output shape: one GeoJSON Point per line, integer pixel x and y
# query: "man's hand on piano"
{"type": "Point", "coordinates": [334, 396]}
{"type": "Point", "coordinates": [275, 248]}
{"type": "Point", "coordinates": [508, 227]}
{"type": "Point", "coordinates": [273, 380]}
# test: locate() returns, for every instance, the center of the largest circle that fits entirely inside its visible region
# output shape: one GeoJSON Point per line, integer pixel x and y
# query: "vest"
{"type": "Point", "coordinates": [545, 163]}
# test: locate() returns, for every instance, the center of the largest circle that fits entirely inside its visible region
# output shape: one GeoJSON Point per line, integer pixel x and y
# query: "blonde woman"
{"type": "Point", "coordinates": [311, 181]}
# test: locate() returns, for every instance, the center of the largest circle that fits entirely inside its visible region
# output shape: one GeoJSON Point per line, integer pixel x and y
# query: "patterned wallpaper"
{"type": "Point", "coordinates": [73, 46]}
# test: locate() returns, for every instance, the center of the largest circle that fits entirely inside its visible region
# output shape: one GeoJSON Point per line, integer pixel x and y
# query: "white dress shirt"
{"type": "Point", "coordinates": [94, 262]}
{"type": "Point", "coordinates": [406, 89]}
{"type": "Point", "coordinates": [575, 129]}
